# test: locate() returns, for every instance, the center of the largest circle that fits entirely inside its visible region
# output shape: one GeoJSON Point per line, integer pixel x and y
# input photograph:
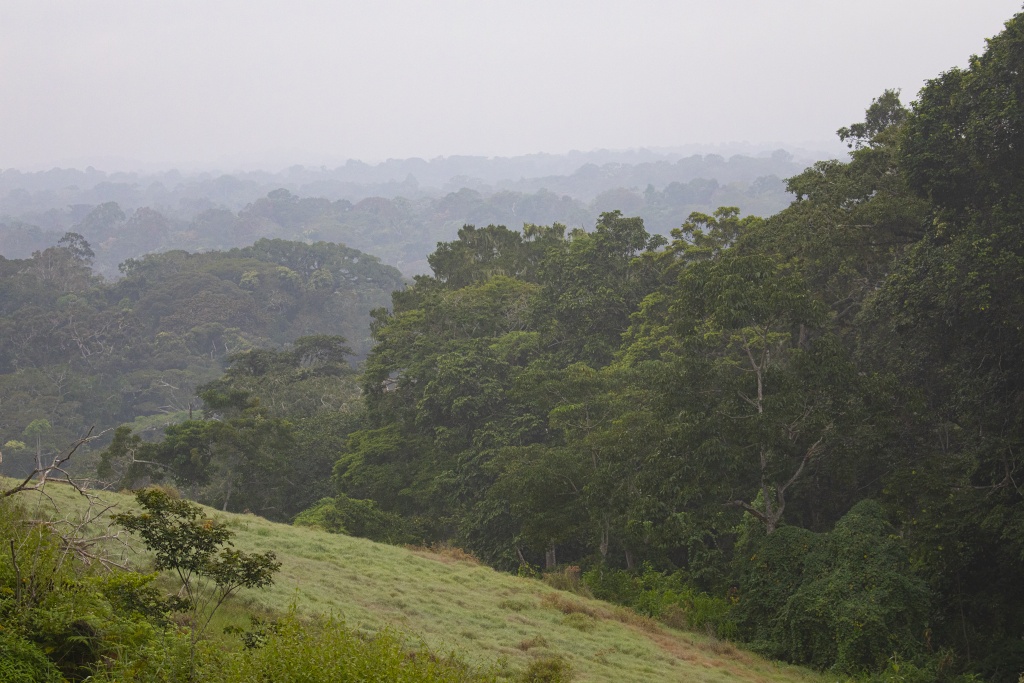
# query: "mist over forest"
{"type": "Point", "coordinates": [761, 404]}
{"type": "Point", "coordinates": [398, 209]}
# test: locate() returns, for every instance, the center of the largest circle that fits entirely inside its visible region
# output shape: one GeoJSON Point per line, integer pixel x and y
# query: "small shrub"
{"type": "Point", "coordinates": [454, 553]}
{"type": "Point", "coordinates": [515, 605]}
{"type": "Point", "coordinates": [716, 645]}
{"type": "Point", "coordinates": [356, 517]}
{"type": "Point", "coordinates": [547, 670]}
{"type": "Point", "coordinates": [568, 579]}
{"type": "Point", "coordinates": [580, 622]}
{"type": "Point", "coordinates": [612, 585]}
{"type": "Point", "coordinates": [644, 623]}
{"type": "Point", "coordinates": [528, 571]}
{"type": "Point", "coordinates": [674, 616]}
{"type": "Point", "coordinates": [666, 597]}
{"type": "Point", "coordinates": [198, 551]}
{"type": "Point", "coordinates": [256, 635]}
{"type": "Point", "coordinates": [326, 651]}
{"type": "Point", "coordinates": [935, 668]}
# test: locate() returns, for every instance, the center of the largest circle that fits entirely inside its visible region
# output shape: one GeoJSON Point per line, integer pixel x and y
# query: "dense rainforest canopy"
{"type": "Point", "coordinates": [819, 414]}
{"type": "Point", "coordinates": [811, 422]}
{"type": "Point", "coordinates": [81, 351]}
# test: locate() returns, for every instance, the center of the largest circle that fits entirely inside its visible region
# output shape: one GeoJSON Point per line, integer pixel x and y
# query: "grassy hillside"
{"type": "Point", "coordinates": [448, 602]}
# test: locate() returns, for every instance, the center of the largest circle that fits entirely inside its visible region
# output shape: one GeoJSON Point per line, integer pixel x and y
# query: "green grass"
{"type": "Point", "coordinates": [448, 603]}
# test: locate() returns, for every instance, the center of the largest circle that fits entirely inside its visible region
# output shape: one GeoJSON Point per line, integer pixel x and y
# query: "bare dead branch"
{"type": "Point", "coordinates": [54, 467]}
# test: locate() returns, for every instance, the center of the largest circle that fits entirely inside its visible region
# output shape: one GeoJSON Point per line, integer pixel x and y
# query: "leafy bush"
{"type": "Point", "coordinates": [356, 517]}
{"type": "Point", "coordinates": [310, 652]}
{"type": "Point", "coordinates": [23, 662]}
{"type": "Point", "coordinates": [934, 668]}
{"type": "Point", "coordinates": [547, 670]}
{"type": "Point", "coordinates": [844, 600]}
{"type": "Point", "coordinates": [569, 606]}
{"type": "Point", "coordinates": [56, 606]}
{"type": "Point", "coordinates": [667, 597]}
{"type": "Point", "coordinates": [580, 622]}
{"type": "Point", "coordinates": [613, 585]}
{"type": "Point", "coordinates": [568, 579]}
{"type": "Point", "coordinates": [198, 552]}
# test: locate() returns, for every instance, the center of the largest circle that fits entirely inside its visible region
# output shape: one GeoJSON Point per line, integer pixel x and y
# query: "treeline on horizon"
{"type": "Point", "coordinates": [128, 215]}
{"type": "Point", "coordinates": [581, 174]}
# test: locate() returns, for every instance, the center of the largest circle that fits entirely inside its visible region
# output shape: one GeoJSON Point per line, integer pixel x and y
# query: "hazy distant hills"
{"type": "Point", "coordinates": [398, 209]}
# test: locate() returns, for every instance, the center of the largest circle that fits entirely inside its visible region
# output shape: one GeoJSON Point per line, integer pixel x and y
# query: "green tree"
{"type": "Point", "coordinates": [947, 323]}
{"type": "Point", "coordinates": [198, 551]}
{"type": "Point", "coordinates": [762, 389]}
{"type": "Point", "coordinates": [591, 287]}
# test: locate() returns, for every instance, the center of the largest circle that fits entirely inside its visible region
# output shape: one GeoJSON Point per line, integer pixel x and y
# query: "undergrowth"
{"type": "Point", "coordinates": [665, 597]}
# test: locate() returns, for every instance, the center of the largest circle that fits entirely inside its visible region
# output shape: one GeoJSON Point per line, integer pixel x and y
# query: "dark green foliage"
{"type": "Point", "coordinates": [273, 426]}
{"type": "Point", "coordinates": [667, 597]}
{"type": "Point", "coordinates": [845, 599]}
{"type": "Point", "coordinates": [23, 662]}
{"type": "Point", "coordinates": [948, 323]}
{"type": "Point", "coordinates": [355, 517]}
{"type": "Point", "coordinates": [935, 668]}
{"type": "Point", "coordinates": [78, 351]}
{"type": "Point", "coordinates": [62, 615]}
{"type": "Point", "coordinates": [591, 286]}
{"type": "Point", "coordinates": [964, 142]}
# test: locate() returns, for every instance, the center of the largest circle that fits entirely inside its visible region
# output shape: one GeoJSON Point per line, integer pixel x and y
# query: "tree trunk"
{"type": "Point", "coordinates": [549, 558]}
{"type": "Point", "coordinates": [227, 495]}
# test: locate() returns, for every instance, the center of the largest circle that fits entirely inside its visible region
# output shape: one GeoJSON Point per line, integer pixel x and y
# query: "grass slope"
{"type": "Point", "coordinates": [450, 603]}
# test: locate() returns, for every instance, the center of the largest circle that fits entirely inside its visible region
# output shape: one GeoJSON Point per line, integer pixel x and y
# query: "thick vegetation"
{"type": "Point", "coordinates": [79, 351]}
{"type": "Point", "coordinates": [816, 416]}
{"type": "Point", "coordinates": [801, 432]}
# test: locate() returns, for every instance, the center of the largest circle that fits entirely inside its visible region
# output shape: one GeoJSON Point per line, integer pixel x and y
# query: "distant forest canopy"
{"type": "Point", "coordinates": [399, 209]}
{"type": "Point", "coordinates": [78, 351]}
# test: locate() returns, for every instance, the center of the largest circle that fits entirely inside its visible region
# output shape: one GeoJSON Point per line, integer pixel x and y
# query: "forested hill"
{"type": "Point", "coordinates": [802, 431]}
{"type": "Point", "coordinates": [77, 350]}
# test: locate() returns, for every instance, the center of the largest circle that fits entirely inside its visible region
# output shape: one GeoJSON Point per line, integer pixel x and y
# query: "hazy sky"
{"type": "Point", "coordinates": [120, 84]}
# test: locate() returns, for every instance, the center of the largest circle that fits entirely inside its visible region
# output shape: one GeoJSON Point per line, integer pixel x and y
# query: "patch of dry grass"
{"type": "Point", "coordinates": [444, 552]}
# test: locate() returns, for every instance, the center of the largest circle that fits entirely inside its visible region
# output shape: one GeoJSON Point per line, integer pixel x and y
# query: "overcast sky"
{"type": "Point", "coordinates": [126, 84]}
